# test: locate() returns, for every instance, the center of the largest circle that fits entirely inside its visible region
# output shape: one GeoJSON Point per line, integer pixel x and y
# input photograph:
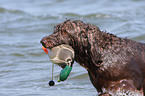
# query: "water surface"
{"type": "Point", "coordinates": [25, 69]}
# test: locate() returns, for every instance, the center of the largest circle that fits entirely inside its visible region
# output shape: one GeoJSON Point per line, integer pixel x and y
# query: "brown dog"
{"type": "Point", "coordinates": [113, 63]}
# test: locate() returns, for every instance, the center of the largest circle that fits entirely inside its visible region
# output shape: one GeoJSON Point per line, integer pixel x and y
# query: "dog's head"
{"type": "Point", "coordinates": [70, 32]}
{"type": "Point", "coordinates": [79, 35]}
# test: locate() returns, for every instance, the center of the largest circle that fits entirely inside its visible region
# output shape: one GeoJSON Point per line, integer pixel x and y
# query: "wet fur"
{"type": "Point", "coordinates": [113, 63]}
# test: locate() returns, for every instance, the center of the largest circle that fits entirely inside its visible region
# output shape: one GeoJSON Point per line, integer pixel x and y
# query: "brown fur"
{"type": "Point", "coordinates": [113, 63]}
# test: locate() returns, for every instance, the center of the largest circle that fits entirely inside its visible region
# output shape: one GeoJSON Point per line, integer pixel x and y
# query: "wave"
{"type": "Point", "coordinates": [3, 10]}
{"type": "Point", "coordinates": [92, 15]}
{"type": "Point", "coordinates": [15, 14]}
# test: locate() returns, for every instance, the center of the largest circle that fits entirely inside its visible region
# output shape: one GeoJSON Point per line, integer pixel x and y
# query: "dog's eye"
{"type": "Point", "coordinates": [64, 32]}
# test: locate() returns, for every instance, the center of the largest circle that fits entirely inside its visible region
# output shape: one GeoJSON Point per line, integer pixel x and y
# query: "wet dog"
{"type": "Point", "coordinates": [113, 63]}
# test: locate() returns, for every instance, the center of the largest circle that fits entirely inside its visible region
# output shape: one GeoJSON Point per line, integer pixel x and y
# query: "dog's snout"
{"type": "Point", "coordinates": [43, 42]}
{"type": "Point", "coordinates": [46, 42]}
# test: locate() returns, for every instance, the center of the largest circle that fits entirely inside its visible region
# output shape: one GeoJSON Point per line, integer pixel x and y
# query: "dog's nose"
{"type": "Point", "coordinates": [42, 42]}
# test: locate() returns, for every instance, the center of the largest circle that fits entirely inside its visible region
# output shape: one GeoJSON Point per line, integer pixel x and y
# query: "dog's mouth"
{"type": "Point", "coordinates": [43, 43]}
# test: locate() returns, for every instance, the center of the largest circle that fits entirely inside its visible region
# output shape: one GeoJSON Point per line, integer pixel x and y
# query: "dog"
{"type": "Point", "coordinates": [113, 63]}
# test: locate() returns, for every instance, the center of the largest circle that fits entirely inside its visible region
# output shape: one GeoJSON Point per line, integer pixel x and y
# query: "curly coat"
{"type": "Point", "coordinates": [113, 63]}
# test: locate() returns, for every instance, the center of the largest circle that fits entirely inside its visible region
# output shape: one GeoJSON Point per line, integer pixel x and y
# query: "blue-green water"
{"type": "Point", "coordinates": [25, 69]}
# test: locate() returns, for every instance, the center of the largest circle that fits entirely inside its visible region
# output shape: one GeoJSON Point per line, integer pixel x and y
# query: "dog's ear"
{"type": "Point", "coordinates": [94, 49]}
{"type": "Point", "coordinates": [83, 38]}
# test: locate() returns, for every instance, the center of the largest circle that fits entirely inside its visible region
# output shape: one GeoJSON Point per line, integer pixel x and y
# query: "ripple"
{"type": "Point", "coordinates": [3, 10]}
{"type": "Point", "coordinates": [97, 16]}
{"type": "Point", "coordinates": [17, 54]}
{"type": "Point", "coordinates": [91, 16]}
{"type": "Point", "coordinates": [25, 69]}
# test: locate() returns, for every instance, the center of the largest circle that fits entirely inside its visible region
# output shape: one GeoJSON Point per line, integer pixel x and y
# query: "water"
{"type": "Point", "coordinates": [25, 69]}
